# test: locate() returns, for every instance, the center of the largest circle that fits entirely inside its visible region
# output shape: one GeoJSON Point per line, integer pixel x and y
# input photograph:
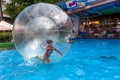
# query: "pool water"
{"type": "Point", "coordinates": [88, 59]}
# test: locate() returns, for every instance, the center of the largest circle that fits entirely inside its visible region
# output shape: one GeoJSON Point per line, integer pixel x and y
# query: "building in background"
{"type": "Point", "coordinates": [96, 16]}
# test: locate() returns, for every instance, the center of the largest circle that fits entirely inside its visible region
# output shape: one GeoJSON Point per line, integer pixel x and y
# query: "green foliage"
{"type": "Point", "coordinates": [5, 36]}
{"type": "Point", "coordinates": [16, 6]}
{"type": "Point", "coordinates": [8, 45]}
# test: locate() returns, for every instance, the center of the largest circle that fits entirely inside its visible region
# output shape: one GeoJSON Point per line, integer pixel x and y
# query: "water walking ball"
{"type": "Point", "coordinates": [38, 23]}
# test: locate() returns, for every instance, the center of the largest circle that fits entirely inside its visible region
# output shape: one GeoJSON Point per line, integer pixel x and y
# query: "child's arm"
{"type": "Point", "coordinates": [58, 51]}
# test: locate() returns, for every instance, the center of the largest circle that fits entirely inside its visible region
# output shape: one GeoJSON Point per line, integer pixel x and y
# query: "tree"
{"type": "Point", "coordinates": [1, 13]}
{"type": "Point", "coordinates": [16, 6]}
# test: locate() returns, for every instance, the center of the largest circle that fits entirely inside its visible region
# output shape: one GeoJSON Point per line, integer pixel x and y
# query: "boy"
{"type": "Point", "coordinates": [49, 51]}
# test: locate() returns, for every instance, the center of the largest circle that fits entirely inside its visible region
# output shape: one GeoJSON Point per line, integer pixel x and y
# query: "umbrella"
{"type": "Point", "coordinates": [5, 26]}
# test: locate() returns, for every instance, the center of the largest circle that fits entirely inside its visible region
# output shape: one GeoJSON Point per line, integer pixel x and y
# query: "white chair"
{"type": "Point", "coordinates": [103, 33]}
{"type": "Point", "coordinates": [110, 35]}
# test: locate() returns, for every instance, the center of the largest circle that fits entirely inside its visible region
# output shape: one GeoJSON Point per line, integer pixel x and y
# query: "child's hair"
{"type": "Point", "coordinates": [49, 41]}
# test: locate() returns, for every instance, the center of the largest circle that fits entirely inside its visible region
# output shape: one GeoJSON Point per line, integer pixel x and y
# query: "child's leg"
{"type": "Point", "coordinates": [47, 58]}
{"type": "Point", "coordinates": [39, 57]}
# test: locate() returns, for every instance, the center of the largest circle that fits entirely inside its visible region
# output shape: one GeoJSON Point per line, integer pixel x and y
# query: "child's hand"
{"type": "Point", "coordinates": [62, 55]}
